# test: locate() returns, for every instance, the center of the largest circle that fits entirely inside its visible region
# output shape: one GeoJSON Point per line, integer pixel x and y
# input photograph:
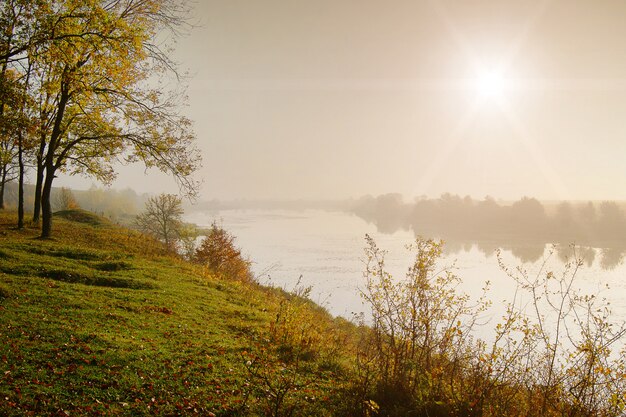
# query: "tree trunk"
{"type": "Point", "coordinates": [2, 184]}
{"type": "Point", "coordinates": [39, 177]}
{"type": "Point", "coordinates": [38, 185]}
{"type": "Point", "coordinates": [4, 168]}
{"type": "Point", "coordinates": [20, 186]}
{"type": "Point", "coordinates": [46, 207]}
{"type": "Point", "coordinates": [20, 154]}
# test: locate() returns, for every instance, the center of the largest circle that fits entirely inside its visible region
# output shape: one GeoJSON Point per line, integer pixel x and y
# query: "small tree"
{"type": "Point", "coordinates": [162, 219]}
{"type": "Point", "coordinates": [220, 255]}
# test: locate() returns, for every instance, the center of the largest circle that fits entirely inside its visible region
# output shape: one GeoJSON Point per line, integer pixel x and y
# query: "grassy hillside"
{"type": "Point", "coordinates": [99, 321]}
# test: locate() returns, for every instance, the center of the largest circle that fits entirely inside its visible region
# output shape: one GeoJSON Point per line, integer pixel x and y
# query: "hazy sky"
{"type": "Point", "coordinates": [340, 98]}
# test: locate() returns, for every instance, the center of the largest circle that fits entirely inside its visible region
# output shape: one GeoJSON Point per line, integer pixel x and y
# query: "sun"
{"type": "Point", "coordinates": [491, 85]}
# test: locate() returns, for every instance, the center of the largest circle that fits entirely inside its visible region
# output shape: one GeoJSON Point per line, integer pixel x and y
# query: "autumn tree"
{"type": "Point", "coordinates": [26, 24]}
{"type": "Point", "coordinates": [22, 23]}
{"type": "Point", "coordinates": [162, 218]}
{"type": "Point", "coordinates": [8, 147]}
{"type": "Point", "coordinates": [98, 72]}
{"type": "Point", "coordinates": [15, 125]}
{"type": "Point", "coordinates": [24, 132]}
{"type": "Point", "coordinates": [107, 107]}
{"type": "Point", "coordinates": [8, 167]}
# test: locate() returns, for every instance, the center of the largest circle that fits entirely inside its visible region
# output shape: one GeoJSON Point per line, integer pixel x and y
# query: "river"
{"type": "Point", "coordinates": [325, 250]}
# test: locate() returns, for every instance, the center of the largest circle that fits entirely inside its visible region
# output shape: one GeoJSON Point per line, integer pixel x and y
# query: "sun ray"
{"type": "Point", "coordinates": [457, 37]}
{"type": "Point", "coordinates": [523, 35]}
{"type": "Point", "coordinates": [438, 163]}
{"type": "Point", "coordinates": [525, 138]}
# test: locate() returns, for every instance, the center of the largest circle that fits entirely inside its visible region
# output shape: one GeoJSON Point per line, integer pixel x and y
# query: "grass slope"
{"type": "Point", "coordinates": [99, 321]}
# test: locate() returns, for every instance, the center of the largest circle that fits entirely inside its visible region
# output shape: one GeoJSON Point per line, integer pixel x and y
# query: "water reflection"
{"type": "Point", "coordinates": [528, 253]}
{"type": "Point", "coordinates": [609, 258]}
{"type": "Point", "coordinates": [525, 228]}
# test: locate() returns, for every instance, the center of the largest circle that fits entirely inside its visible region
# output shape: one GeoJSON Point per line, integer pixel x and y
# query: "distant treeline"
{"type": "Point", "coordinates": [526, 221]}
{"type": "Point", "coordinates": [452, 215]}
{"type": "Point", "coordinates": [114, 204]}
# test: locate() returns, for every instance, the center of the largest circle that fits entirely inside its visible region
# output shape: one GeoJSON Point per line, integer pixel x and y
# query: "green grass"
{"type": "Point", "coordinates": [100, 321]}
{"type": "Point", "coordinates": [82, 216]}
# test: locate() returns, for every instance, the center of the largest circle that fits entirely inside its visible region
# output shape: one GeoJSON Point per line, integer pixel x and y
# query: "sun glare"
{"type": "Point", "coordinates": [491, 85]}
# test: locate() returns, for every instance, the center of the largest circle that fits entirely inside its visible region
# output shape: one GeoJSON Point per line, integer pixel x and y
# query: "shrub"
{"type": "Point", "coordinates": [570, 340]}
{"type": "Point", "coordinates": [218, 253]}
{"type": "Point", "coordinates": [420, 332]}
{"type": "Point", "coordinates": [553, 353]}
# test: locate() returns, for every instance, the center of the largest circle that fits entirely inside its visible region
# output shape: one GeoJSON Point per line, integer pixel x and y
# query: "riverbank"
{"type": "Point", "coordinates": [101, 321]}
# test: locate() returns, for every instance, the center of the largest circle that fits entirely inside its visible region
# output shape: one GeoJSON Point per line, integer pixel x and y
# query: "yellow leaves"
{"type": "Point", "coordinates": [618, 401]}
{"type": "Point", "coordinates": [371, 408]}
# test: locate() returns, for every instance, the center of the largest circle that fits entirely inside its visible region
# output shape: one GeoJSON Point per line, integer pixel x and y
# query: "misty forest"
{"type": "Point", "coordinates": [326, 208]}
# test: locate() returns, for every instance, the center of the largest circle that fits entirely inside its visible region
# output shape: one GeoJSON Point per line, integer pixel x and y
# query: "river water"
{"type": "Point", "coordinates": [325, 250]}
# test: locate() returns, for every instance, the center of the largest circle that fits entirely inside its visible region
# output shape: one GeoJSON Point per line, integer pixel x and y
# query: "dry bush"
{"type": "Point", "coordinates": [565, 344]}
{"type": "Point", "coordinates": [553, 352]}
{"type": "Point", "coordinates": [65, 200]}
{"type": "Point", "coordinates": [418, 350]}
